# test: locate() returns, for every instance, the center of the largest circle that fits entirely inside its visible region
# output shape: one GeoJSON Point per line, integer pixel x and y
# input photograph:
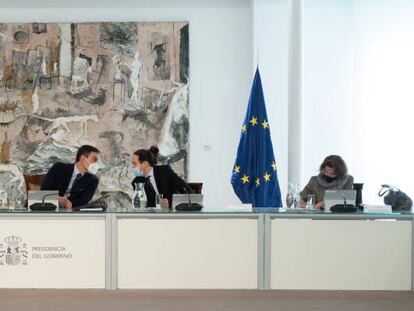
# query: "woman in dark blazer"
{"type": "Point", "coordinates": [159, 179]}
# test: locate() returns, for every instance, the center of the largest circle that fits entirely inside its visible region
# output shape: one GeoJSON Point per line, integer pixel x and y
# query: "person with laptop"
{"type": "Point", "coordinates": [333, 175]}
{"type": "Point", "coordinates": [159, 179]}
{"type": "Point", "coordinates": [76, 182]}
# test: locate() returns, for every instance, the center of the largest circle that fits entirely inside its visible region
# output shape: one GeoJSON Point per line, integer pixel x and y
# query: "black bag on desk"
{"type": "Point", "coordinates": [398, 200]}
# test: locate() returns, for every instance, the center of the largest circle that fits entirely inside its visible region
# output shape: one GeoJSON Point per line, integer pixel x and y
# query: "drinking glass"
{"type": "Point", "coordinates": [292, 196]}
{"type": "Point", "coordinates": [13, 205]}
{"type": "Point", "coordinates": [158, 201]}
{"type": "Point", "coordinates": [310, 204]}
{"type": "Point", "coordinates": [3, 198]}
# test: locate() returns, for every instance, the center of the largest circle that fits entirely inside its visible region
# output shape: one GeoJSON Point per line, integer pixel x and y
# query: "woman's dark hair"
{"type": "Point", "coordinates": [148, 155]}
{"type": "Point", "coordinates": [154, 150]}
{"type": "Point", "coordinates": [337, 163]}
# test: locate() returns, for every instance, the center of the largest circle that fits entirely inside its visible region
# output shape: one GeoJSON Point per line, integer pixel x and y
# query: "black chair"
{"type": "Point", "coordinates": [196, 187]}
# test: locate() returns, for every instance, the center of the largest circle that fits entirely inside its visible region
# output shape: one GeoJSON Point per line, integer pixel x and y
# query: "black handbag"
{"type": "Point", "coordinates": [398, 200]}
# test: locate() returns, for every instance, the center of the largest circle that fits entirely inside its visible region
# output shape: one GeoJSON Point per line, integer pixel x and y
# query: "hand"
{"type": "Point", "coordinates": [165, 204]}
{"type": "Point", "coordinates": [320, 204]}
{"type": "Point", "coordinates": [69, 204]}
{"type": "Point", "coordinates": [64, 202]}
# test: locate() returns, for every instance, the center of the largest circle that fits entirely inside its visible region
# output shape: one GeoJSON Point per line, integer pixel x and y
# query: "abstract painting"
{"type": "Point", "coordinates": [116, 86]}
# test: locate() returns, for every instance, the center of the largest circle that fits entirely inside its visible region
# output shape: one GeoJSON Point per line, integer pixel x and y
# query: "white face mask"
{"type": "Point", "coordinates": [93, 168]}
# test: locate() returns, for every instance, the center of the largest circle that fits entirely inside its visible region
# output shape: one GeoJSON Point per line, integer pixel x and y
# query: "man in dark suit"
{"type": "Point", "coordinates": [159, 179]}
{"type": "Point", "coordinates": [76, 182]}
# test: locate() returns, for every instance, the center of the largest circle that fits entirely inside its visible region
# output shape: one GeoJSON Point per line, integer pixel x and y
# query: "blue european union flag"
{"type": "Point", "coordinates": [254, 177]}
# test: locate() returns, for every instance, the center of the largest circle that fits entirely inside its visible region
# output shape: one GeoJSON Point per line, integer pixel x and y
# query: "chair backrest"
{"type": "Point", "coordinates": [33, 182]}
{"type": "Point", "coordinates": [196, 186]}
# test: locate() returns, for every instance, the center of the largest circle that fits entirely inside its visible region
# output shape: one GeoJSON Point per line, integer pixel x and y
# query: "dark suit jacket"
{"type": "Point", "coordinates": [168, 182]}
{"type": "Point", "coordinates": [58, 178]}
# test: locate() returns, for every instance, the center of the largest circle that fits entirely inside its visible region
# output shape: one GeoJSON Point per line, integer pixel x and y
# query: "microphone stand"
{"type": "Point", "coordinates": [344, 208]}
{"type": "Point", "coordinates": [43, 206]}
{"type": "Point", "coordinates": [45, 196]}
{"type": "Point", "coordinates": [343, 196]}
{"type": "Point", "coordinates": [190, 206]}
{"type": "Point", "coordinates": [189, 197]}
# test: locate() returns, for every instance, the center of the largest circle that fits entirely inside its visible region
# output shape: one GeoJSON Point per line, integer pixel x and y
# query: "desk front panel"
{"type": "Point", "coordinates": [52, 252]}
{"type": "Point", "coordinates": [341, 254]}
{"type": "Point", "coordinates": [188, 252]}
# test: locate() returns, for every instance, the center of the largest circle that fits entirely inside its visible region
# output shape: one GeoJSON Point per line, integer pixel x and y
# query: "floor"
{"type": "Point", "coordinates": [201, 300]}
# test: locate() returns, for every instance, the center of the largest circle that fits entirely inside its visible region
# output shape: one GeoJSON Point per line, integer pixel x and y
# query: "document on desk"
{"type": "Point", "coordinates": [91, 209]}
{"type": "Point", "coordinates": [386, 209]}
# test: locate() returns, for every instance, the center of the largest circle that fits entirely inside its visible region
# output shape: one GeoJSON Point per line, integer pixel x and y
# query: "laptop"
{"type": "Point", "coordinates": [333, 197]}
{"type": "Point", "coordinates": [183, 198]}
{"type": "Point", "coordinates": [50, 196]}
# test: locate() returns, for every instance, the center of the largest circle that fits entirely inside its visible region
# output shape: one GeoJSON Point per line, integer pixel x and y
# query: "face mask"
{"type": "Point", "coordinates": [93, 168]}
{"type": "Point", "coordinates": [137, 172]}
{"type": "Point", "coordinates": [328, 179]}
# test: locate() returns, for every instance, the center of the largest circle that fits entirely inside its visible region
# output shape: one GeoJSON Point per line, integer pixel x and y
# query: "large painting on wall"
{"type": "Point", "coordinates": [117, 86]}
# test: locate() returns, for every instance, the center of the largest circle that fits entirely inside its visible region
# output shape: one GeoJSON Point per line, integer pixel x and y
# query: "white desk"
{"type": "Point", "coordinates": [52, 251]}
{"type": "Point", "coordinates": [341, 254]}
{"type": "Point", "coordinates": [188, 251]}
{"type": "Point", "coordinates": [199, 250]}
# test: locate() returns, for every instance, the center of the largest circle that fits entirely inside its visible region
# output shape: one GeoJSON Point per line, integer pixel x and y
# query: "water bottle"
{"type": "Point", "coordinates": [293, 196]}
{"type": "Point", "coordinates": [3, 198]}
{"type": "Point", "coordinates": [139, 198]}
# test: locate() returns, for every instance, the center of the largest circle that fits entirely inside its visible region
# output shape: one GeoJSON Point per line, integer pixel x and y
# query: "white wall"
{"type": "Point", "coordinates": [270, 48]}
{"type": "Point", "coordinates": [358, 77]}
{"type": "Point", "coordinates": [383, 87]}
{"type": "Point", "coordinates": [220, 70]}
{"type": "Point", "coordinates": [327, 119]}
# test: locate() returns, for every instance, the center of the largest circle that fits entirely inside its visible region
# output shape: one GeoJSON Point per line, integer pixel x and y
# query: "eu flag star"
{"type": "Point", "coordinates": [244, 129]}
{"type": "Point", "coordinates": [257, 182]}
{"type": "Point", "coordinates": [237, 169]}
{"type": "Point", "coordinates": [267, 177]}
{"type": "Point", "coordinates": [245, 179]}
{"type": "Point", "coordinates": [265, 124]}
{"type": "Point", "coordinates": [253, 121]}
{"type": "Point", "coordinates": [274, 165]}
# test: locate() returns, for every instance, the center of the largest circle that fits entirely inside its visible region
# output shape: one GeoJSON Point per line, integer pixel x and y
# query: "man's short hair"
{"type": "Point", "coordinates": [85, 150]}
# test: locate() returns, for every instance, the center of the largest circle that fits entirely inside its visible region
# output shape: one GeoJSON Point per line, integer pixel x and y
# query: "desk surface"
{"type": "Point", "coordinates": [274, 212]}
{"type": "Point", "coordinates": [267, 240]}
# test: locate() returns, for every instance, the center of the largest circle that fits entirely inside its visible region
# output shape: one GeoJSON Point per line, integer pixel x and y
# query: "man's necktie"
{"type": "Point", "coordinates": [77, 178]}
{"type": "Point", "coordinates": [150, 191]}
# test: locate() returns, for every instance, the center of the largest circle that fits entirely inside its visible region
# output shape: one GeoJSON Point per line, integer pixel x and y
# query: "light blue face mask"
{"type": "Point", "coordinates": [137, 172]}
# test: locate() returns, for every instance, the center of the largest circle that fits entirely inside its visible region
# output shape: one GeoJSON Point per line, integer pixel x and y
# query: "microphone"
{"type": "Point", "coordinates": [44, 206]}
{"type": "Point", "coordinates": [343, 208]}
{"type": "Point", "coordinates": [47, 206]}
{"type": "Point", "coordinates": [188, 206]}
{"type": "Point", "coordinates": [343, 196]}
{"type": "Point", "coordinates": [189, 197]}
